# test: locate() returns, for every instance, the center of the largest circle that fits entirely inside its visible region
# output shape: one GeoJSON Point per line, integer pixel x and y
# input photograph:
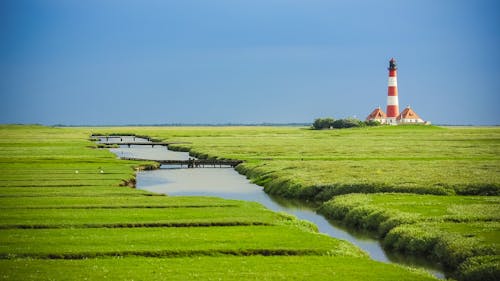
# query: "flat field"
{"type": "Point", "coordinates": [207, 268]}
{"type": "Point", "coordinates": [310, 164]}
{"type": "Point", "coordinates": [458, 228]}
{"type": "Point", "coordinates": [65, 214]}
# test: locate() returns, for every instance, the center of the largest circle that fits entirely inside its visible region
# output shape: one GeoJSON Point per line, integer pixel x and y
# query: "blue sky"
{"type": "Point", "coordinates": [232, 61]}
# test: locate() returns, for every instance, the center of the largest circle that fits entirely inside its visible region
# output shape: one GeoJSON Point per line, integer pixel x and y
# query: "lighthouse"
{"type": "Point", "coordinates": [392, 93]}
{"type": "Point", "coordinates": [393, 117]}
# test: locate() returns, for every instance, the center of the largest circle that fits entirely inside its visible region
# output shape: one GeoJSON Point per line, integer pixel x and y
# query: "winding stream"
{"type": "Point", "coordinates": [227, 183]}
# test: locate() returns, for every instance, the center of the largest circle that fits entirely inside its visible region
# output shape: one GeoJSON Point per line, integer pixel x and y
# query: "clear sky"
{"type": "Point", "coordinates": [232, 61]}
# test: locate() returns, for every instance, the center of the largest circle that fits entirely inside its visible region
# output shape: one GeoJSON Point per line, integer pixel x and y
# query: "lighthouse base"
{"type": "Point", "coordinates": [394, 121]}
{"type": "Point", "coordinates": [407, 116]}
{"type": "Point", "coordinates": [390, 121]}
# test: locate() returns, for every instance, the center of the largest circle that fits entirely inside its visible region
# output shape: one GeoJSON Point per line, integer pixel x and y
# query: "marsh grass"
{"type": "Point", "coordinates": [209, 268]}
{"type": "Point", "coordinates": [137, 216]}
{"type": "Point", "coordinates": [87, 243]}
{"type": "Point", "coordinates": [319, 165]}
{"type": "Point", "coordinates": [72, 191]}
{"type": "Point", "coordinates": [448, 229]}
{"type": "Point", "coordinates": [62, 218]}
{"type": "Point", "coordinates": [311, 164]}
{"type": "Point", "coordinates": [134, 200]}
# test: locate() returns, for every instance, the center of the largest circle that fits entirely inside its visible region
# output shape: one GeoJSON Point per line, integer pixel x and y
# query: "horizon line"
{"type": "Point", "coordinates": [263, 124]}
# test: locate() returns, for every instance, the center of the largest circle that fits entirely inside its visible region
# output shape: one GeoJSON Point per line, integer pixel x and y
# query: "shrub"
{"type": "Point", "coordinates": [330, 123]}
{"type": "Point", "coordinates": [371, 123]}
{"type": "Point", "coordinates": [347, 123]}
{"type": "Point", "coordinates": [323, 123]}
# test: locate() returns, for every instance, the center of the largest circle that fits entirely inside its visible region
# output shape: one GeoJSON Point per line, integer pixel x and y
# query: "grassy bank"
{"type": "Point", "coordinates": [454, 230]}
{"type": "Point", "coordinates": [66, 215]}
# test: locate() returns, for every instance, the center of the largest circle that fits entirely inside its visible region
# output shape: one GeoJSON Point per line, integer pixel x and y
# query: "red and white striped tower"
{"type": "Point", "coordinates": [392, 93]}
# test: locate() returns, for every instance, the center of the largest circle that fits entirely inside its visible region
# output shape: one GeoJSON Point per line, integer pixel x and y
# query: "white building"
{"type": "Point", "coordinates": [407, 116]}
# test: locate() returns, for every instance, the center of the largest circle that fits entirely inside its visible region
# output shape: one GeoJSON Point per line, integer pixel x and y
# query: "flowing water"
{"type": "Point", "coordinates": [227, 183]}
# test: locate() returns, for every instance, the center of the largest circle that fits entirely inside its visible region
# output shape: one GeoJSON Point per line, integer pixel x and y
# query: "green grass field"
{"type": "Point", "coordinates": [207, 268]}
{"type": "Point", "coordinates": [60, 224]}
{"type": "Point", "coordinates": [311, 164]}
{"type": "Point", "coordinates": [320, 165]}
{"type": "Point", "coordinates": [449, 229]}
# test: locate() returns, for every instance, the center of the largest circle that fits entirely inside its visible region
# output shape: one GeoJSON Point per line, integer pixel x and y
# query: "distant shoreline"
{"type": "Point", "coordinates": [197, 125]}
{"type": "Point", "coordinates": [296, 124]}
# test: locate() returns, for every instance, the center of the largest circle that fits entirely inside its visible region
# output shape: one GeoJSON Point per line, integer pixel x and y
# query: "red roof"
{"type": "Point", "coordinates": [408, 113]}
{"type": "Point", "coordinates": [377, 113]}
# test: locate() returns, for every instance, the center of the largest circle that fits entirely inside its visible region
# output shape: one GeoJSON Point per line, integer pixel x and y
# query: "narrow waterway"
{"type": "Point", "coordinates": [229, 184]}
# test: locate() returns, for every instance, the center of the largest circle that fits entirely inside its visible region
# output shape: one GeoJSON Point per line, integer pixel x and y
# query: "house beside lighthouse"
{"type": "Point", "coordinates": [393, 117]}
{"type": "Point", "coordinates": [377, 115]}
{"type": "Point", "coordinates": [408, 116]}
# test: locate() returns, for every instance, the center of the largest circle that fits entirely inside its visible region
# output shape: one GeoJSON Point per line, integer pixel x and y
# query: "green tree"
{"type": "Point", "coordinates": [323, 123]}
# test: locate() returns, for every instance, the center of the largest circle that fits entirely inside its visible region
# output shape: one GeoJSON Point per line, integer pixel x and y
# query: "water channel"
{"type": "Point", "coordinates": [229, 184]}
